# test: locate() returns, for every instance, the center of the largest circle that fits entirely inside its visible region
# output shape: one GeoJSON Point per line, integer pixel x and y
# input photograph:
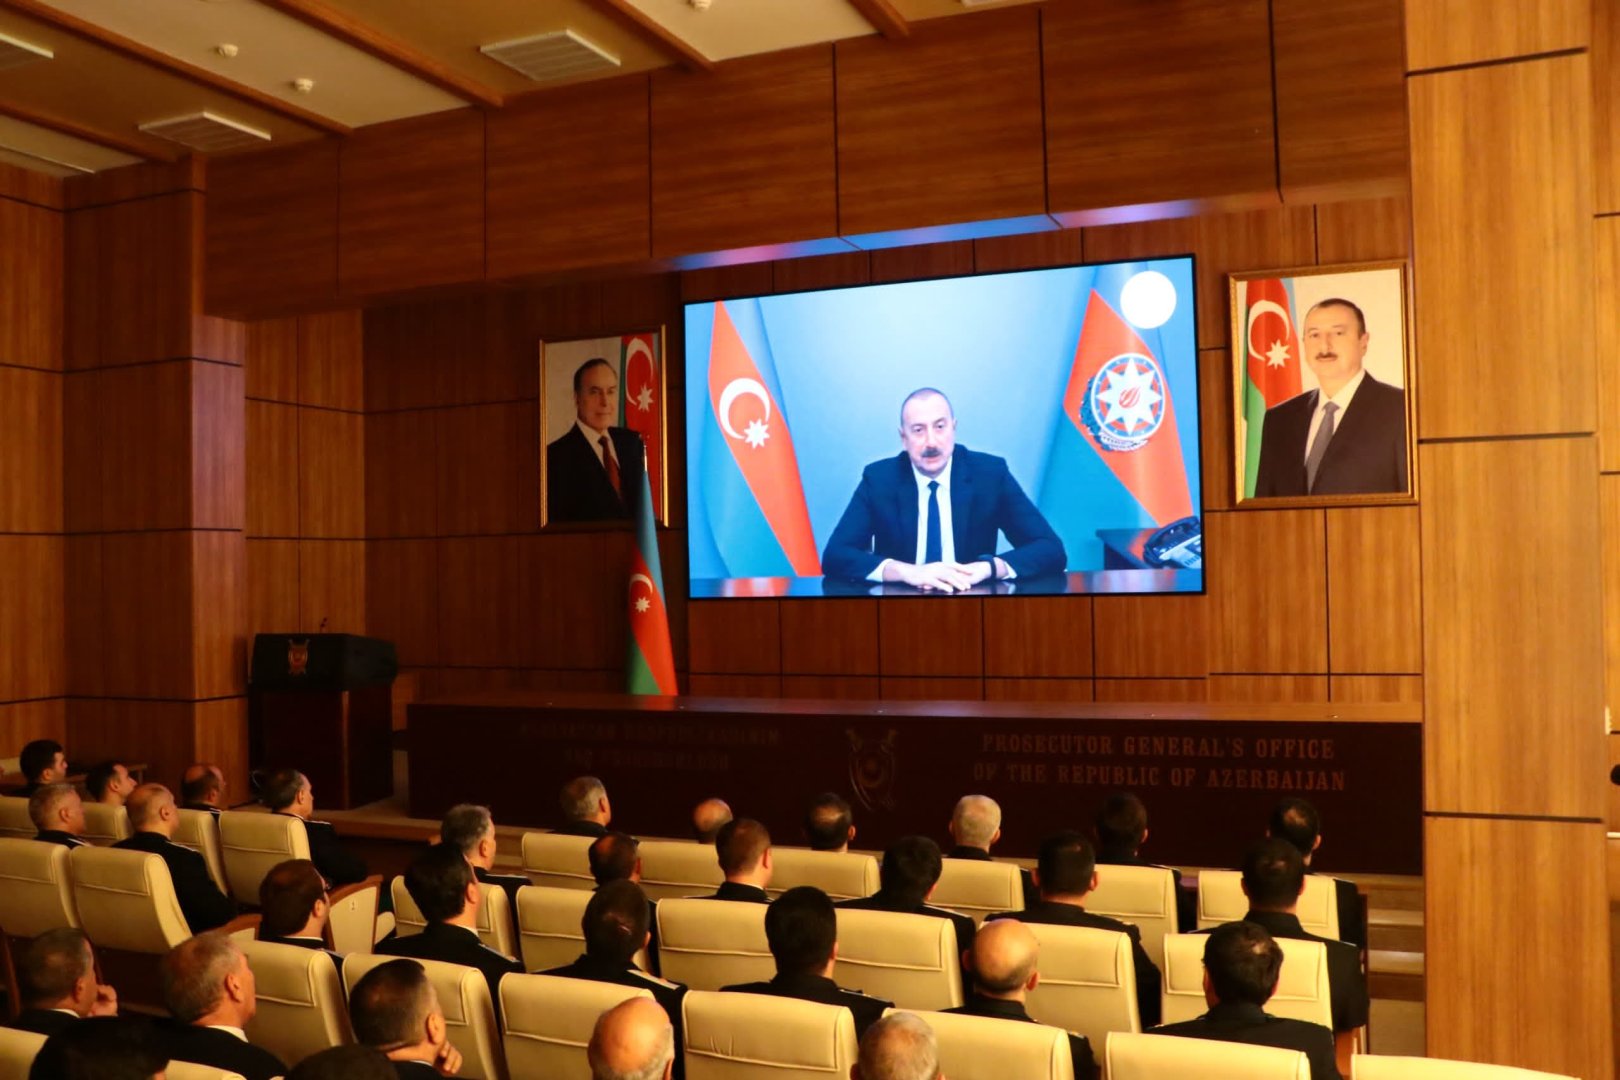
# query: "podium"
{"type": "Point", "coordinates": [323, 704]}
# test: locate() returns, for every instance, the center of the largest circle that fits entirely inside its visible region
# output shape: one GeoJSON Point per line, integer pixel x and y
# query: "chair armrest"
{"type": "Point", "coordinates": [1346, 1044]}
{"type": "Point", "coordinates": [358, 927]}
{"type": "Point", "coordinates": [243, 924]}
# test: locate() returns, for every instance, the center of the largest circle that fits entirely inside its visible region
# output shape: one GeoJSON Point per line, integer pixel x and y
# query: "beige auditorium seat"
{"type": "Point", "coordinates": [1144, 896]}
{"type": "Point", "coordinates": [911, 960]}
{"type": "Point", "coordinates": [672, 868]}
{"type": "Point", "coordinates": [1152, 1057]}
{"type": "Point", "coordinates": [842, 875]}
{"type": "Point", "coordinates": [1221, 900]}
{"type": "Point", "coordinates": [17, 1052]}
{"type": "Point", "coordinates": [14, 820]}
{"type": "Point", "coordinates": [1302, 985]}
{"type": "Point", "coordinates": [251, 844]}
{"type": "Point", "coordinates": [126, 900]}
{"type": "Point", "coordinates": [355, 924]}
{"type": "Point", "coordinates": [199, 831]}
{"type": "Point", "coordinates": [978, 888]}
{"type": "Point", "coordinates": [1380, 1067]}
{"type": "Point", "coordinates": [187, 1070]}
{"type": "Point", "coordinates": [469, 1014]}
{"type": "Point", "coordinates": [983, 1048]}
{"type": "Point", "coordinates": [105, 825]}
{"type": "Point", "coordinates": [549, 1022]}
{"type": "Point", "coordinates": [549, 933]}
{"type": "Point", "coordinates": [746, 1036]}
{"type": "Point", "coordinates": [1088, 981]}
{"type": "Point", "coordinates": [557, 861]}
{"type": "Point", "coordinates": [494, 916]}
{"type": "Point", "coordinates": [301, 1006]}
{"type": "Point", "coordinates": [36, 888]}
{"type": "Point", "coordinates": [707, 944]}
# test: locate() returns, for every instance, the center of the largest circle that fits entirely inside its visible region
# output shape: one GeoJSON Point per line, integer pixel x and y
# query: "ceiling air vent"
{"type": "Point", "coordinates": [558, 55]}
{"type": "Point", "coordinates": [15, 52]}
{"type": "Point", "coordinates": [206, 132]}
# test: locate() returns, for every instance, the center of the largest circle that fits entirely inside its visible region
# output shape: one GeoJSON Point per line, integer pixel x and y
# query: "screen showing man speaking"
{"type": "Point", "coordinates": [1030, 433]}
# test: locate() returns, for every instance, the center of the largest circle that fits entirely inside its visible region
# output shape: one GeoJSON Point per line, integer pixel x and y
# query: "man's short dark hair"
{"type": "Point", "coordinates": [613, 857]}
{"type": "Point", "coordinates": [353, 1061]}
{"type": "Point", "coordinates": [1243, 963]}
{"type": "Point", "coordinates": [580, 797]}
{"type": "Point", "coordinates": [1297, 822]}
{"type": "Point", "coordinates": [1121, 825]}
{"type": "Point", "coordinates": [615, 921]}
{"type": "Point", "coordinates": [46, 800]}
{"type": "Point", "coordinates": [1339, 301]}
{"type": "Point", "coordinates": [205, 782]}
{"type": "Point", "coordinates": [911, 866]}
{"type": "Point", "coordinates": [390, 1004]}
{"type": "Point", "coordinates": [463, 826]}
{"type": "Point", "coordinates": [281, 790]}
{"type": "Point", "coordinates": [287, 897]}
{"type": "Point", "coordinates": [740, 844]}
{"type": "Point", "coordinates": [49, 965]}
{"type": "Point", "coordinates": [38, 756]}
{"type": "Point", "coordinates": [102, 1048]}
{"type": "Point", "coordinates": [437, 880]}
{"type": "Point", "coordinates": [802, 929]}
{"type": "Point", "coordinates": [920, 392]}
{"type": "Point", "coordinates": [1273, 874]}
{"type": "Point", "coordinates": [98, 779]}
{"type": "Point", "coordinates": [1066, 864]}
{"type": "Point", "coordinates": [827, 822]}
{"type": "Point", "coordinates": [579, 372]}
{"type": "Point", "coordinates": [193, 974]}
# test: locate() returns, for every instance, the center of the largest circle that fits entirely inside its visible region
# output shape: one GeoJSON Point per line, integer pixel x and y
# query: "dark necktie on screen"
{"type": "Point", "coordinates": [932, 550]}
{"type": "Point", "coordinates": [1324, 435]}
{"type": "Point", "coordinates": [611, 464]}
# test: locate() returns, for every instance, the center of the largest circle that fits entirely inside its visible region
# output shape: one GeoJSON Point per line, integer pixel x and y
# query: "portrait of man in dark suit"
{"type": "Point", "coordinates": [594, 469]}
{"type": "Point", "coordinates": [928, 517]}
{"type": "Point", "coordinates": [1347, 436]}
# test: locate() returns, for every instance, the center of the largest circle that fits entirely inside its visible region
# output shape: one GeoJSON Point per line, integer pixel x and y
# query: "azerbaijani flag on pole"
{"type": "Point", "coordinates": [1271, 362]}
{"type": "Point", "coordinates": [641, 404]}
{"type": "Point", "coordinates": [650, 660]}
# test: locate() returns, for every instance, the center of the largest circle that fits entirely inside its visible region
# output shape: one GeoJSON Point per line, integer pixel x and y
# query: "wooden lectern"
{"type": "Point", "coordinates": [322, 704]}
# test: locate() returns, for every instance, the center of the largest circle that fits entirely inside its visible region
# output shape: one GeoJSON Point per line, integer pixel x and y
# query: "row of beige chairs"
{"type": "Point", "coordinates": [103, 825]}
{"type": "Point", "coordinates": [19, 1048]}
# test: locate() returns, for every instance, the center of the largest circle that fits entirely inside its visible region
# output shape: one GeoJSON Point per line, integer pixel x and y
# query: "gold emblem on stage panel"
{"type": "Point", "coordinates": [873, 764]}
{"type": "Point", "coordinates": [297, 656]}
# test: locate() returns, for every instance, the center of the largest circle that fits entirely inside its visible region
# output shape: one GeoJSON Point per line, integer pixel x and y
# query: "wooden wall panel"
{"type": "Point", "coordinates": [1039, 690]}
{"type": "Point", "coordinates": [272, 587]}
{"type": "Point", "coordinates": [30, 450]}
{"type": "Point", "coordinates": [130, 292]}
{"type": "Point", "coordinates": [219, 735]}
{"type": "Point", "coordinates": [1279, 688]}
{"type": "Point", "coordinates": [331, 474]}
{"type": "Point", "coordinates": [1026, 251]}
{"type": "Point", "coordinates": [145, 435]}
{"type": "Point", "coordinates": [1364, 230]}
{"type": "Point", "coordinates": [219, 614]}
{"type": "Point", "coordinates": [402, 597]}
{"type": "Point", "coordinates": [1375, 688]}
{"type": "Point", "coordinates": [159, 733]}
{"type": "Point", "coordinates": [1268, 584]}
{"type": "Point", "coordinates": [1609, 508]}
{"type": "Point", "coordinates": [1341, 98]}
{"type": "Point", "coordinates": [744, 155]}
{"type": "Point", "coordinates": [829, 637]}
{"type": "Point", "coordinates": [332, 585]}
{"type": "Point", "coordinates": [1375, 593]}
{"type": "Point", "coordinates": [568, 178]}
{"type": "Point", "coordinates": [1477, 1008]}
{"type": "Point", "coordinates": [401, 474]}
{"type": "Point", "coordinates": [734, 686]}
{"type": "Point", "coordinates": [1470, 209]}
{"type": "Point", "coordinates": [146, 615]}
{"type": "Point", "coordinates": [942, 128]}
{"type": "Point", "coordinates": [923, 261]}
{"type": "Point", "coordinates": [273, 228]}
{"type": "Point", "coordinates": [82, 478]}
{"type": "Point", "coordinates": [271, 363]}
{"type": "Point", "coordinates": [1195, 127]}
{"type": "Point", "coordinates": [931, 636]}
{"type": "Point", "coordinates": [846, 687]}
{"type": "Point", "coordinates": [1606, 105]}
{"type": "Point", "coordinates": [736, 637]}
{"type": "Point", "coordinates": [1034, 636]}
{"type": "Point", "coordinates": [330, 360]}
{"type": "Point", "coordinates": [412, 193]}
{"type": "Point", "coordinates": [31, 265]}
{"type": "Point", "coordinates": [1152, 689]}
{"type": "Point", "coordinates": [1218, 464]}
{"type": "Point", "coordinates": [724, 282]}
{"type": "Point", "coordinates": [446, 352]}
{"type": "Point", "coordinates": [1445, 33]}
{"type": "Point", "coordinates": [218, 434]}
{"type": "Point", "coordinates": [485, 587]}
{"type": "Point", "coordinates": [1606, 276]}
{"type": "Point", "coordinates": [1138, 636]}
{"type": "Point", "coordinates": [85, 634]}
{"type": "Point", "coordinates": [1494, 741]}
{"type": "Point", "coordinates": [22, 722]}
{"type": "Point", "coordinates": [31, 622]}
{"type": "Point", "coordinates": [576, 622]}
{"type": "Point", "coordinates": [272, 473]}
{"type": "Point", "coordinates": [931, 688]}
{"type": "Point", "coordinates": [488, 468]}
{"type": "Point", "coordinates": [821, 271]}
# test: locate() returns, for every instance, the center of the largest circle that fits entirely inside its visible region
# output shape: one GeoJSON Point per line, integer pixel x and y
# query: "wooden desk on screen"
{"type": "Point", "coordinates": [1209, 774]}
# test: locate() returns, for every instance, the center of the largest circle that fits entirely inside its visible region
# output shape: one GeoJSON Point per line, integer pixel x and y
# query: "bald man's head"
{"type": "Point", "coordinates": [901, 1046]}
{"type": "Point", "coordinates": [1003, 958]}
{"type": "Point", "coordinates": [707, 817]}
{"type": "Point", "coordinates": [632, 1041]}
{"type": "Point", "coordinates": [146, 806]}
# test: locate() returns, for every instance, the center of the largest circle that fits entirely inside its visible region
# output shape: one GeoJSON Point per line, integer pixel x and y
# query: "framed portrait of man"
{"type": "Point", "coordinates": [1322, 386]}
{"type": "Point", "coordinates": [602, 425]}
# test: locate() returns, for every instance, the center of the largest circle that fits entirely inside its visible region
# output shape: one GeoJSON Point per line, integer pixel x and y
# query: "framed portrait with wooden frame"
{"type": "Point", "coordinates": [1322, 386]}
{"type": "Point", "coordinates": [602, 428]}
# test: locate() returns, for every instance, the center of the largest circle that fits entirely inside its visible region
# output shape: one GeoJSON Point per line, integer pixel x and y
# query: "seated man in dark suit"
{"type": "Point", "coordinates": [58, 813]}
{"type": "Point", "coordinates": [901, 1046]}
{"type": "Point", "coordinates": [634, 1040]}
{"type": "Point", "coordinates": [1297, 822]}
{"type": "Point", "coordinates": [56, 977]}
{"type": "Point", "coordinates": [294, 907]}
{"type": "Point", "coordinates": [202, 787]}
{"type": "Point", "coordinates": [744, 850]}
{"type": "Point", "coordinates": [614, 857]}
{"type": "Point", "coordinates": [975, 827]}
{"type": "Point", "coordinates": [707, 817]}
{"type": "Point", "coordinates": [471, 830]}
{"type": "Point", "coordinates": [1005, 964]}
{"type": "Point", "coordinates": [444, 888]}
{"type": "Point", "coordinates": [153, 815]}
{"type": "Point", "coordinates": [352, 1061]}
{"type": "Point", "coordinates": [101, 1048]}
{"type": "Point", "coordinates": [1241, 965]}
{"type": "Point", "coordinates": [802, 928]}
{"type": "Point", "coordinates": [906, 877]}
{"type": "Point", "coordinates": [829, 824]}
{"type": "Point", "coordinates": [615, 927]}
{"type": "Point", "coordinates": [109, 783]}
{"type": "Point", "coordinates": [1122, 829]}
{"type": "Point", "coordinates": [1066, 873]}
{"type": "Point", "coordinates": [395, 1009]}
{"type": "Point", "coordinates": [585, 807]}
{"type": "Point", "coordinates": [289, 792]}
{"type": "Point", "coordinates": [209, 991]}
{"type": "Point", "coordinates": [42, 762]}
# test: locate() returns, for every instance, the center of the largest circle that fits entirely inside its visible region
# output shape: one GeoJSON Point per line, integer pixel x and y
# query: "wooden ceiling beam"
{"type": "Point", "coordinates": [655, 32]}
{"type": "Point", "coordinates": [884, 17]}
{"type": "Point", "coordinates": [106, 139]}
{"type": "Point", "coordinates": [88, 31]}
{"type": "Point", "coordinates": [407, 58]}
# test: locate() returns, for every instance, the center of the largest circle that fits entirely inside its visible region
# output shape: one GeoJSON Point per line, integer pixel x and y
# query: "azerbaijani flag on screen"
{"type": "Point", "coordinates": [1271, 361]}
{"type": "Point", "coordinates": [640, 402]}
{"type": "Point", "coordinates": [650, 660]}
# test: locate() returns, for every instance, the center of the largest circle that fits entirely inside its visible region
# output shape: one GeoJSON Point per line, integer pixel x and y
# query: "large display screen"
{"type": "Point", "coordinates": [1002, 434]}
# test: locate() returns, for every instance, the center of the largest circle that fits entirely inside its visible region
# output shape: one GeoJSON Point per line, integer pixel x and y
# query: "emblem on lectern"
{"type": "Point", "coordinates": [297, 656]}
{"type": "Point", "coordinates": [873, 764]}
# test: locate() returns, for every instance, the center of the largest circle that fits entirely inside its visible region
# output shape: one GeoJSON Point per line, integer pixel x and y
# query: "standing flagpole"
{"type": "Point", "coordinates": [650, 659]}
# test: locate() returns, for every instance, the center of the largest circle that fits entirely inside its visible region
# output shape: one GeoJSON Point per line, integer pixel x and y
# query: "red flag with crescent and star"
{"type": "Point", "coordinates": [1271, 362]}
{"type": "Point", "coordinates": [642, 402]}
{"type": "Point", "coordinates": [650, 659]}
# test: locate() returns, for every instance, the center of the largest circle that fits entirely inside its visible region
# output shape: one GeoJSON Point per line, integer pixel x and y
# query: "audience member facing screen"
{"type": "Point", "coordinates": [879, 538]}
{"type": "Point", "coordinates": [395, 1010]}
{"type": "Point", "coordinates": [56, 979]}
{"type": "Point", "coordinates": [102, 1048]}
{"type": "Point", "coordinates": [470, 829]}
{"type": "Point", "coordinates": [707, 817]}
{"type": "Point", "coordinates": [585, 807]}
{"type": "Point", "coordinates": [1297, 822]}
{"type": "Point", "coordinates": [614, 857]}
{"type": "Point", "coordinates": [58, 813]}
{"type": "Point", "coordinates": [210, 991]}
{"type": "Point", "coordinates": [901, 1046]}
{"type": "Point", "coordinates": [42, 761]}
{"type": "Point", "coordinates": [109, 783]}
{"type": "Point", "coordinates": [829, 824]}
{"type": "Point", "coordinates": [634, 1040]}
{"type": "Point", "coordinates": [202, 787]}
{"type": "Point", "coordinates": [743, 848]}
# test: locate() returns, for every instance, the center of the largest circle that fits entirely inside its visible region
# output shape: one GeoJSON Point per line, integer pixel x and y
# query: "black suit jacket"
{"type": "Point", "coordinates": [1032, 895]}
{"type": "Point", "coordinates": [581, 828]}
{"type": "Point", "coordinates": [46, 1022]}
{"type": "Point", "coordinates": [667, 994]}
{"type": "Point", "coordinates": [1347, 985]}
{"type": "Point", "coordinates": [222, 1050]}
{"type": "Point", "coordinates": [1085, 1062]}
{"type": "Point", "coordinates": [336, 864]}
{"type": "Point", "coordinates": [1366, 454]}
{"type": "Point", "coordinates": [309, 943]}
{"type": "Point", "coordinates": [881, 901]}
{"type": "Point", "coordinates": [1186, 899]}
{"type": "Point", "coordinates": [416, 1070]}
{"type": "Point", "coordinates": [455, 945]}
{"type": "Point", "coordinates": [56, 836]}
{"type": "Point", "coordinates": [577, 487]}
{"type": "Point", "coordinates": [739, 894]}
{"type": "Point", "coordinates": [1240, 1022]}
{"type": "Point", "coordinates": [823, 991]}
{"type": "Point", "coordinates": [201, 902]}
{"type": "Point", "coordinates": [880, 521]}
{"type": "Point", "coordinates": [1149, 982]}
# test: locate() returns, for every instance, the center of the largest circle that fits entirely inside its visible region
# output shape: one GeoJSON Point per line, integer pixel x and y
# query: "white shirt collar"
{"type": "Point", "coordinates": [238, 1032]}
{"type": "Point", "coordinates": [1346, 392]}
{"type": "Point", "coordinates": [590, 433]}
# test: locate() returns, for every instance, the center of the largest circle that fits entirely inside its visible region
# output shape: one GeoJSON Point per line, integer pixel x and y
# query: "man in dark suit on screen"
{"type": "Point", "coordinates": [593, 470]}
{"type": "Point", "coordinates": [1348, 436]}
{"type": "Point", "coordinates": [928, 517]}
